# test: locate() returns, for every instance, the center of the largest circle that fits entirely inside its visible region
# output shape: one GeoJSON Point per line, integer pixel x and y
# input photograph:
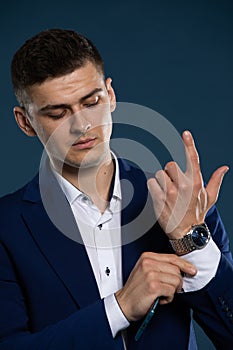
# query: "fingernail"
{"type": "Point", "coordinates": [193, 270]}
{"type": "Point", "coordinates": [187, 134]}
{"type": "Point", "coordinates": [226, 170]}
{"type": "Point", "coordinates": [148, 184]}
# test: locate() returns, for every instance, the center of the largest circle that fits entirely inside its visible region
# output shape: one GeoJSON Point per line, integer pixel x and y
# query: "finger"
{"type": "Point", "coordinates": [155, 190]}
{"type": "Point", "coordinates": [159, 199]}
{"type": "Point", "coordinates": [169, 276]}
{"type": "Point", "coordinates": [192, 157]}
{"type": "Point", "coordinates": [163, 180]}
{"type": "Point", "coordinates": [167, 294]}
{"type": "Point", "coordinates": [154, 265]}
{"type": "Point", "coordinates": [165, 300]}
{"type": "Point", "coordinates": [165, 290]}
{"type": "Point", "coordinates": [175, 281]}
{"type": "Point", "coordinates": [214, 185]}
{"type": "Point", "coordinates": [185, 266]}
{"type": "Point", "coordinates": [181, 263]}
{"type": "Point", "coordinates": [157, 193]}
{"type": "Point", "coordinates": [174, 172]}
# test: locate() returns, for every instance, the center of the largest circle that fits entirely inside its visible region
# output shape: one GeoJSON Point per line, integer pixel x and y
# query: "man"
{"type": "Point", "coordinates": [62, 286]}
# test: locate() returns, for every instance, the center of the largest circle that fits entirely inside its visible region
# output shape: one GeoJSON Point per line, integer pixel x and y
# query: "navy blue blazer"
{"type": "Point", "coordinates": [48, 294]}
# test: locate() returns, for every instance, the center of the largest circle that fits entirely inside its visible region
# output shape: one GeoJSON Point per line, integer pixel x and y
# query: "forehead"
{"type": "Point", "coordinates": [65, 89]}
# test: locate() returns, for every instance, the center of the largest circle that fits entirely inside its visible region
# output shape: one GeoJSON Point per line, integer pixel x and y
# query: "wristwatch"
{"type": "Point", "coordinates": [197, 238]}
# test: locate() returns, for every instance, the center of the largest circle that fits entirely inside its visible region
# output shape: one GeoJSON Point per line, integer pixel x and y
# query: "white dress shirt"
{"type": "Point", "coordinates": [101, 234]}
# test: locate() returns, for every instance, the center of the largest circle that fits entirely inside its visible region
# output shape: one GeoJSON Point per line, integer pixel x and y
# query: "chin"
{"type": "Point", "coordinates": [82, 164]}
{"type": "Point", "coordinates": [89, 161]}
{"type": "Point", "coordinates": [84, 159]}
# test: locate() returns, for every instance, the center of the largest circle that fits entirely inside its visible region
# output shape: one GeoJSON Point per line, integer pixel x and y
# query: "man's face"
{"type": "Point", "coordinates": [71, 115]}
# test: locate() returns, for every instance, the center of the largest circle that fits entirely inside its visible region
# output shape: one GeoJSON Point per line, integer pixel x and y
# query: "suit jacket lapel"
{"type": "Point", "coordinates": [66, 257]}
{"type": "Point", "coordinates": [133, 185]}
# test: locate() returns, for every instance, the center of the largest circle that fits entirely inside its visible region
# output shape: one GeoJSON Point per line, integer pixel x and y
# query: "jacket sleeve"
{"type": "Point", "coordinates": [213, 305]}
{"type": "Point", "coordinates": [86, 329]}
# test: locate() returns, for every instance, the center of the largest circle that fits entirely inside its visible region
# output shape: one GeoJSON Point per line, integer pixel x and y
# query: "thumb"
{"type": "Point", "coordinates": [214, 184]}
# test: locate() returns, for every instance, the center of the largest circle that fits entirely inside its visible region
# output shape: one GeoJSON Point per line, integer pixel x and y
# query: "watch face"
{"type": "Point", "coordinates": [200, 236]}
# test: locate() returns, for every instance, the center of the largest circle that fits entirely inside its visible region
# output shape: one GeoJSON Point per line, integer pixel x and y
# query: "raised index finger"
{"type": "Point", "coordinates": [192, 157]}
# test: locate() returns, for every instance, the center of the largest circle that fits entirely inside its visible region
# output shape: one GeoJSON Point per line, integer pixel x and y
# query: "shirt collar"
{"type": "Point", "coordinates": [72, 193]}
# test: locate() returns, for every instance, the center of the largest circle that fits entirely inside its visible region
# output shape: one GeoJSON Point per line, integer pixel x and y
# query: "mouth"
{"type": "Point", "coordinates": [84, 143]}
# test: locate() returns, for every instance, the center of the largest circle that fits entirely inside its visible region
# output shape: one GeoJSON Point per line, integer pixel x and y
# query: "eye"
{"type": "Point", "coordinates": [57, 116]}
{"type": "Point", "coordinates": [92, 103]}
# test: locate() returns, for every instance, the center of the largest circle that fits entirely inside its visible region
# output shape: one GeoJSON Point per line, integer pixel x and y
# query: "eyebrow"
{"type": "Point", "coordinates": [64, 105]}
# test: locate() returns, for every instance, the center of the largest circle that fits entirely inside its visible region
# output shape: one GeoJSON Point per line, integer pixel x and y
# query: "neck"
{"type": "Point", "coordinates": [93, 181]}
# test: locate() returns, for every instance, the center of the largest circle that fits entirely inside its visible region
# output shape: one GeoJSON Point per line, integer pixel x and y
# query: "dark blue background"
{"type": "Point", "coordinates": [172, 56]}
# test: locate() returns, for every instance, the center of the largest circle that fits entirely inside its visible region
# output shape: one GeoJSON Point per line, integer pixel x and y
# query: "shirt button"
{"type": "Point", "coordinates": [84, 199]}
{"type": "Point", "coordinates": [107, 271]}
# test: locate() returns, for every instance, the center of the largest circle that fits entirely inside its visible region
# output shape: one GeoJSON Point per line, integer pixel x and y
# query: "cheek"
{"type": "Point", "coordinates": [58, 137]}
{"type": "Point", "coordinates": [104, 132]}
{"type": "Point", "coordinates": [48, 133]}
{"type": "Point", "coordinates": [100, 116]}
{"type": "Point", "coordinates": [107, 132]}
{"type": "Point", "coordinates": [106, 126]}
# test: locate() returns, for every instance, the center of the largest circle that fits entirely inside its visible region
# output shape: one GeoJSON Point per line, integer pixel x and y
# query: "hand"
{"type": "Point", "coordinates": [153, 275]}
{"type": "Point", "coordinates": [180, 199]}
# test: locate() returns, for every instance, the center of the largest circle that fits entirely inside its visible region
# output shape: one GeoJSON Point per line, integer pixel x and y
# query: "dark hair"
{"type": "Point", "coordinates": [49, 54]}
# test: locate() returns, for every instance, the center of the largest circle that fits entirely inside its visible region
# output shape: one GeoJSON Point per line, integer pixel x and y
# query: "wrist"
{"type": "Point", "coordinates": [195, 239]}
{"type": "Point", "coordinates": [181, 231]}
{"type": "Point", "coordinates": [122, 305]}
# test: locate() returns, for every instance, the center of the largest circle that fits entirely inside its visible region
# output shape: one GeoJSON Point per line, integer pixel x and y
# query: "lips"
{"type": "Point", "coordinates": [84, 143]}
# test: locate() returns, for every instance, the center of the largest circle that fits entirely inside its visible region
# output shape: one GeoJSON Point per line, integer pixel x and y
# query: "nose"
{"type": "Point", "coordinates": [79, 123]}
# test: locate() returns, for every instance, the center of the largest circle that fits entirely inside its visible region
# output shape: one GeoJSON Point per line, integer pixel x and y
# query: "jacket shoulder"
{"type": "Point", "coordinates": [12, 200]}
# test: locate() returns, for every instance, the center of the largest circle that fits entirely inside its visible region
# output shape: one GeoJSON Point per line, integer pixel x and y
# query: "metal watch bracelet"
{"type": "Point", "coordinates": [186, 244]}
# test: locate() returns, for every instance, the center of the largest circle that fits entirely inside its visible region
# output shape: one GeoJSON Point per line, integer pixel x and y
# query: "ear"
{"type": "Point", "coordinates": [23, 121]}
{"type": "Point", "coordinates": [111, 94]}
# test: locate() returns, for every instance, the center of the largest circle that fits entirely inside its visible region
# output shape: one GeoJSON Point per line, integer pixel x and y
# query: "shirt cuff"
{"type": "Point", "coordinates": [206, 261]}
{"type": "Point", "coordinates": [116, 318]}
